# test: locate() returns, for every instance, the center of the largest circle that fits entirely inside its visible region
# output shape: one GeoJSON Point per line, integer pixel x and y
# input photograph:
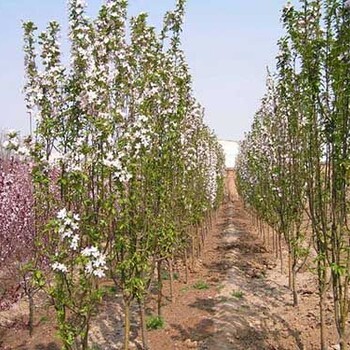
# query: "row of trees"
{"type": "Point", "coordinates": [294, 164]}
{"type": "Point", "coordinates": [125, 174]}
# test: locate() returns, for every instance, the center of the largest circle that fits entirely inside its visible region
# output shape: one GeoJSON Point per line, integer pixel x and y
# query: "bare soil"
{"type": "Point", "coordinates": [244, 302]}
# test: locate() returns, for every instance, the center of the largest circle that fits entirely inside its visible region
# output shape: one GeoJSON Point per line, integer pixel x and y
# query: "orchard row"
{"type": "Point", "coordinates": [293, 169]}
{"type": "Point", "coordinates": [122, 172]}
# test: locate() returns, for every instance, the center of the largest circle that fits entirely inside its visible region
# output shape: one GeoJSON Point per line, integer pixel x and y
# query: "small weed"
{"type": "Point", "coordinates": [154, 322]}
{"type": "Point", "coordinates": [201, 285]}
{"type": "Point", "coordinates": [223, 299]}
{"type": "Point", "coordinates": [220, 287]}
{"type": "Point", "coordinates": [109, 290]}
{"type": "Point", "coordinates": [44, 319]}
{"type": "Point", "coordinates": [166, 276]}
{"type": "Point", "coordinates": [237, 294]}
{"type": "Point", "coordinates": [95, 347]}
{"type": "Point", "coordinates": [244, 307]}
{"type": "Point", "coordinates": [185, 289]}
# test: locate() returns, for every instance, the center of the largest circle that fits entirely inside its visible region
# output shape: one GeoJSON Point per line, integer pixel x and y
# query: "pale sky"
{"type": "Point", "coordinates": [228, 44]}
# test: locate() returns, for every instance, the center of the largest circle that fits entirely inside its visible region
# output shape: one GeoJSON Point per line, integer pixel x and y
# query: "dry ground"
{"type": "Point", "coordinates": [247, 304]}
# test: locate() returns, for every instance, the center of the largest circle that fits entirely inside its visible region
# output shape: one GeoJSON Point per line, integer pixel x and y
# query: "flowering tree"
{"type": "Point", "coordinates": [17, 234]}
{"type": "Point", "coordinates": [310, 145]}
{"type": "Point", "coordinates": [111, 174]}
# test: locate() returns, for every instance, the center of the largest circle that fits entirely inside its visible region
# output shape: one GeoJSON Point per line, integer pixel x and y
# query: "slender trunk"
{"type": "Point", "coordinates": [171, 280]}
{"type": "Point", "coordinates": [263, 234]}
{"type": "Point", "coordinates": [186, 267]}
{"type": "Point", "coordinates": [85, 340]}
{"type": "Point", "coordinates": [193, 251]}
{"type": "Point", "coordinates": [280, 251]}
{"type": "Point", "coordinates": [294, 282]}
{"type": "Point", "coordinates": [31, 313]}
{"type": "Point", "coordinates": [127, 324]}
{"type": "Point", "coordinates": [199, 237]}
{"type": "Point", "coordinates": [322, 321]}
{"type": "Point", "coordinates": [276, 244]}
{"type": "Point", "coordinates": [342, 335]}
{"type": "Point", "coordinates": [143, 324]}
{"type": "Point", "coordinates": [341, 304]}
{"type": "Point", "coordinates": [160, 288]}
{"type": "Point", "coordinates": [290, 263]}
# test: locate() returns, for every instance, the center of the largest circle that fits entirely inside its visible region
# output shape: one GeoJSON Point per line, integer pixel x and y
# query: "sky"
{"type": "Point", "coordinates": [228, 45]}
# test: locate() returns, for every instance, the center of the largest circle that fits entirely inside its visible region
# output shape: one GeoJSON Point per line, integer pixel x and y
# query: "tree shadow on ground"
{"type": "Point", "coordinates": [108, 329]}
{"type": "Point", "coordinates": [50, 346]}
{"type": "Point", "coordinates": [243, 317]}
{"type": "Point", "coordinates": [203, 330]}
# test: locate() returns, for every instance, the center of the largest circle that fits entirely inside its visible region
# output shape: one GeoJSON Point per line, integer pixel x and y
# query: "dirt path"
{"type": "Point", "coordinates": [247, 315]}
{"type": "Point", "coordinates": [253, 308]}
{"type": "Point", "coordinates": [248, 304]}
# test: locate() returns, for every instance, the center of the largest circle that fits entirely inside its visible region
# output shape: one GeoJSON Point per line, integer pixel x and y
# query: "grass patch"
{"type": "Point", "coordinates": [154, 322]}
{"type": "Point", "coordinates": [201, 285]}
{"type": "Point", "coordinates": [237, 294]}
{"type": "Point", "coordinates": [223, 299]}
{"type": "Point", "coordinates": [44, 319]}
{"type": "Point", "coordinates": [220, 287]}
{"type": "Point", "coordinates": [166, 276]}
{"type": "Point", "coordinates": [94, 347]}
{"type": "Point", "coordinates": [109, 290]}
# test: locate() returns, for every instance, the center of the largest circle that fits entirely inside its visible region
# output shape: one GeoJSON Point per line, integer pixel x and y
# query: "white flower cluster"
{"type": "Point", "coordinates": [59, 267]}
{"type": "Point", "coordinates": [139, 135]}
{"type": "Point", "coordinates": [13, 144]}
{"type": "Point", "coordinates": [288, 6]}
{"type": "Point", "coordinates": [117, 163]}
{"type": "Point", "coordinates": [68, 226]}
{"type": "Point", "coordinates": [96, 263]}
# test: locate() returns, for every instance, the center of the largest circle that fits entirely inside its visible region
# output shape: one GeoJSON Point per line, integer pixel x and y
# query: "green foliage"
{"type": "Point", "coordinates": [110, 290]}
{"type": "Point", "coordinates": [44, 319]}
{"type": "Point", "coordinates": [166, 276]}
{"type": "Point", "coordinates": [296, 157]}
{"type": "Point", "coordinates": [237, 294]}
{"type": "Point", "coordinates": [201, 285]}
{"type": "Point", "coordinates": [155, 322]}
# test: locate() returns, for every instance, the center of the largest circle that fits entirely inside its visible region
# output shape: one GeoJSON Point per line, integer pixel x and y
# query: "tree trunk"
{"type": "Point", "coordinates": [193, 252]}
{"type": "Point", "coordinates": [290, 263]}
{"type": "Point", "coordinates": [143, 325]}
{"type": "Point", "coordinates": [171, 280]}
{"type": "Point", "coordinates": [186, 267]}
{"type": "Point", "coordinates": [322, 321]}
{"type": "Point", "coordinates": [280, 251]}
{"type": "Point", "coordinates": [31, 313]}
{"type": "Point", "coordinates": [160, 288]}
{"type": "Point", "coordinates": [294, 282]}
{"type": "Point", "coordinates": [126, 324]}
{"type": "Point", "coordinates": [85, 340]}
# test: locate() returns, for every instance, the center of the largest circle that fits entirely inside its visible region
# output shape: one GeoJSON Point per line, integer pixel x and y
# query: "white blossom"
{"type": "Point", "coordinates": [56, 266]}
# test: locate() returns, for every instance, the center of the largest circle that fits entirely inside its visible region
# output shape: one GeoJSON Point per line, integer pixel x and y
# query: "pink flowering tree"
{"type": "Point", "coordinates": [17, 234]}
